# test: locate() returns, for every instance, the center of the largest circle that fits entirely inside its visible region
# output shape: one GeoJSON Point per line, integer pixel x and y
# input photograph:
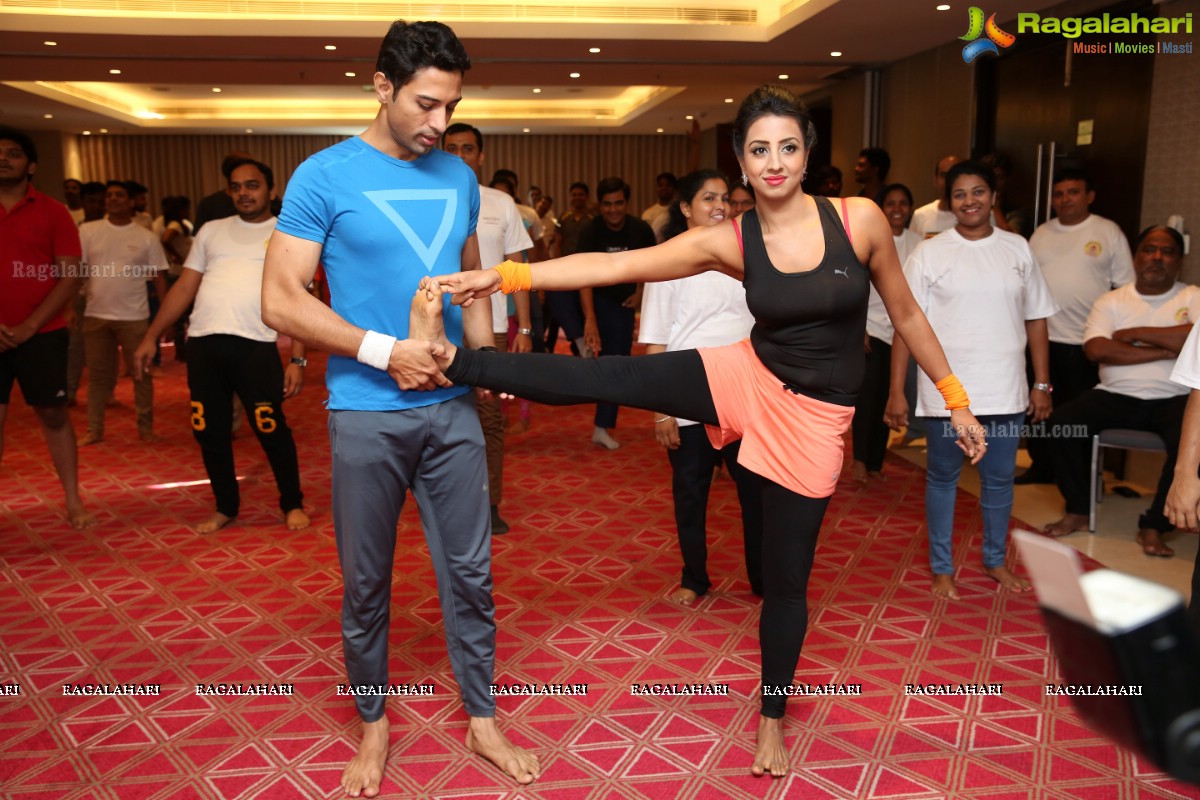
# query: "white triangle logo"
{"type": "Point", "coordinates": [448, 198]}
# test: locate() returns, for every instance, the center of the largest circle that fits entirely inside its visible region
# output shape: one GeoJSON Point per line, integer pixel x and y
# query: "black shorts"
{"type": "Point", "coordinates": [40, 367]}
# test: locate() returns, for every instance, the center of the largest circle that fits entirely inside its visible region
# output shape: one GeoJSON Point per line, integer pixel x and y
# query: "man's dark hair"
{"type": "Point", "coordinates": [1074, 174]}
{"type": "Point", "coordinates": [462, 127]}
{"type": "Point", "coordinates": [610, 185]}
{"type": "Point", "coordinates": [410, 47]}
{"type": "Point", "coordinates": [580, 185]}
{"type": "Point", "coordinates": [72, 180]}
{"type": "Point", "coordinates": [506, 175]}
{"type": "Point", "coordinates": [505, 185]}
{"type": "Point", "coordinates": [135, 188]}
{"type": "Point", "coordinates": [878, 158]}
{"type": "Point", "coordinates": [266, 171]}
{"type": "Point", "coordinates": [92, 188]}
{"type": "Point", "coordinates": [669, 177]}
{"type": "Point", "coordinates": [229, 162]}
{"type": "Point", "coordinates": [21, 140]}
{"type": "Point", "coordinates": [123, 184]}
{"type": "Point", "coordinates": [1174, 234]}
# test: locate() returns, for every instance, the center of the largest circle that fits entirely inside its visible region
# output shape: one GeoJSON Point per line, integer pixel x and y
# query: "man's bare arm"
{"type": "Point", "coordinates": [1170, 337]}
{"type": "Point", "coordinates": [1103, 350]}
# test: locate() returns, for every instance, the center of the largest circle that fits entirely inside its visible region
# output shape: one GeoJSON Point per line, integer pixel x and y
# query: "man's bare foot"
{"type": "Point", "coordinates": [214, 523]}
{"type": "Point", "coordinates": [1007, 579]}
{"type": "Point", "coordinates": [89, 440]}
{"type": "Point", "coordinates": [296, 519]}
{"type": "Point", "coordinates": [858, 471]}
{"type": "Point", "coordinates": [1070, 523]}
{"type": "Point", "coordinates": [943, 586]}
{"type": "Point", "coordinates": [770, 756]}
{"type": "Point", "coordinates": [876, 475]}
{"type": "Point", "coordinates": [425, 317]}
{"type": "Point", "coordinates": [80, 517]}
{"type": "Point", "coordinates": [364, 773]}
{"type": "Point", "coordinates": [1152, 543]}
{"type": "Point", "coordinates": [683, 595]}
{"type": "Point", "coordinates": [484, 738]}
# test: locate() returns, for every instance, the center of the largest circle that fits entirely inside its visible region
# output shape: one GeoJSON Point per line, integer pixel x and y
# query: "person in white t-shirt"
{"type": "Point", "coordinates": [986, 299]}
{"type": "Point", "coordinates": [231, 351]}
{"type": "Point", "coordinates": [1135, 333]}
{"type": "Point", "coordinates": [932, 218]}
{"type": "Point", "coordinates": [870, 432]}
{"type": "Point", "coordinates": [1083, 256]}
{"type": "Point", "coordinates": [705, 310]}
{"type": "Point", "coordinates": [1182, 508]}
{"type": "Point", "coordinates": [666, 188]}
{"type": "Point", "coordinates": [119, 257]}
{"type": "Point", "coordinates": [502, 235]}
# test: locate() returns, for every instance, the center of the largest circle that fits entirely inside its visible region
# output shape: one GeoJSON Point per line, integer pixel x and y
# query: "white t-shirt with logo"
{"type": "Point", "coordinates": [500, 230]}
{"type": "Point", "coordinates": [1080, 262]}
{"type": "Point", "coordinates": [978, 295]}
{"type": "Point", "coordinates": [118, 260]}
{"type": "Point", "coordinates": [1187, 366]}
{"type": "Point", "coordinates": [1126, 308]}
{"type": "Point", "coordinates": [229, 253]}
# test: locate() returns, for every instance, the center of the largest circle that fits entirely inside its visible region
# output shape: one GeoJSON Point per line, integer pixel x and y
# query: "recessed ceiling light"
{"type": "Point", "coordinates": [50, 44]}
{"type": "Point", "coordinates": [574, 75]}
{"type": "Point", "coordinates": [728, 99]}
{"type": "Point", "coordinates": [47, 116]}
{"type": "Point", "coordinates": [216, 90]}
{"type": "Point", "coordinates": [659, 130]}
{"type": "Point", "coordinates": [836, 53]}
{"type": "Point", "coordinates": [593, 49]}
{"type": "Point", "coordinates": [784, 77]}
{"type": "Point", "coordinates": [87, 133]}
{"type": "Point", "coordinates": [944, 7]}
{"type": "Point", "coordinates": [249, 130]}
{"type": "Point", "coordinates": [351, 74]}
{"type": "Point", "coordinates": [114, 72]}
{"type": "Point", "coordinates": [331, 47]}
{"type": "Point", "coordinates": [537, 91]}
{"type": "Point", "coordinates": [525, 130]}
{"type": "Point", "coordinates": [689, 116]}
{"type": "Point", "coordinates": [104, 130]}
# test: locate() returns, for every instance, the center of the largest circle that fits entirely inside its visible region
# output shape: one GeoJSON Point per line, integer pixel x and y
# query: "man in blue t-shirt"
{"type": "Point", "coordinates": [380, 211]}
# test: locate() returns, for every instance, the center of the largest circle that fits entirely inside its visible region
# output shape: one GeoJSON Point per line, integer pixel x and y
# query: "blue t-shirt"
{"type": "Point", "coordinates": [383, 224]}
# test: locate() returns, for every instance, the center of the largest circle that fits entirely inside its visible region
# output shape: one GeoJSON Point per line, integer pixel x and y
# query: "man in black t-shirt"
{"type": "Point", "coordinates": [608, 310]}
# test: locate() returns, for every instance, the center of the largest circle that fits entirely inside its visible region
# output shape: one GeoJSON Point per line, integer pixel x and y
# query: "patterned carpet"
{"type": "Point", "coordinates": [140, 598]}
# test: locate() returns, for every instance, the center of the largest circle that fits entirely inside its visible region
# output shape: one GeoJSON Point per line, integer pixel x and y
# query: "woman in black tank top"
{"type": "Point", "coordinates": [806, 264]}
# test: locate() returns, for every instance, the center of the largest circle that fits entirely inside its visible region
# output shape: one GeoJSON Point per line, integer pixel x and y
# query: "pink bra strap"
{"type": "Point", "coordinates": [846, 222]}
{"type": "Point", "coordinates": [737, 229]}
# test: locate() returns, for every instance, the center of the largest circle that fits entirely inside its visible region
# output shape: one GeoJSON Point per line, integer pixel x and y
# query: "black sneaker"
{"type": "Point", "coordinates": [499, 526]}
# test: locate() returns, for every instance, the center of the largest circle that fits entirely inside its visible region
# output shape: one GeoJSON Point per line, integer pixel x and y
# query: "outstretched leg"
{"type": "Point", "coordinates": [669, 383]}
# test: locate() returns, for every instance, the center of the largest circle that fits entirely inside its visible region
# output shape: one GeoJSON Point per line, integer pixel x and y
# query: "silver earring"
{"type": "Point", "coordinates": [804, 174]}
{"type": "Point", "coordinates": [745, 180]}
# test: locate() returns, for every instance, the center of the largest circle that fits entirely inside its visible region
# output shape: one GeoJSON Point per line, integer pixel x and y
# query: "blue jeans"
{"type": "Point", "coordinates": [943, 465]}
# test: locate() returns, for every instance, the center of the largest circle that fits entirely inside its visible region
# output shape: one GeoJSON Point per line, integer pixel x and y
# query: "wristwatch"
{"type": "Point", "coordinates": [1048, 388]}
{"type": "Point", "coordinates": [299, 362]}
{"type": "Point", "coordinates": [525, 331]}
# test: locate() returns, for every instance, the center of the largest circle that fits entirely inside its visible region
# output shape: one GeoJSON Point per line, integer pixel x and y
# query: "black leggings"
{"type": "Point", "coordinates": [675, 383]}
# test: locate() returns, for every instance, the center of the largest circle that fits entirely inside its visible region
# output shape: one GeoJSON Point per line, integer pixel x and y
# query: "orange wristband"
{"type": "Point", "coordinates": [953, 392]}
{"type": "Point", "coordinates": [515, 276]}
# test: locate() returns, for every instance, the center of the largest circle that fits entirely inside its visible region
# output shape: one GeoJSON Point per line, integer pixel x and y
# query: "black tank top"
{"type": "Point", "coordinates": [809, 326]}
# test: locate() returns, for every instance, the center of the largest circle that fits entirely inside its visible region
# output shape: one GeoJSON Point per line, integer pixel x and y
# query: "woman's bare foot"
{"type": "Point", "coordinates": [683, 595]}
{"type": "Point", "coordinates": [79, 517]}
{"type": "Point", "coordinates": [89, 440]}
{"type": "Point", "coordinates": [770, 756]}
{"type": "Point", "coordinates": [425, 317]}
{"type": "Point", "coordinates": [1070, 523]}
{"type": "Point", "coordinates": [296, 519]}
{"type": "Point", "coordinates": [943, 586]}
{"type": "Point", "coordinates": [213, 523]}
{"type": "Point", "coordinates": [1152, 543]}
{"type": "Point", "coordinates": [858, 471]}
{"type": "Point", "coordinates": [364, 773]}
{"type": "Point", "coordinates": [1007, 579]}
{"type": "Point", "coordinates": [484, 738]}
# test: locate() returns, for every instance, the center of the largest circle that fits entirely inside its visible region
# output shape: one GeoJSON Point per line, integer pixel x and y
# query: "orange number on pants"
{"type": "Point", "coordinates": [263, 419]}
{"type": "Point", "coordinates": [198, 423]}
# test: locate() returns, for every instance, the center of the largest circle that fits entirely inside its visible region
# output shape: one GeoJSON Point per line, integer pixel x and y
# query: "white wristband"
{"type": "Point", "coordinates": [376, 350]}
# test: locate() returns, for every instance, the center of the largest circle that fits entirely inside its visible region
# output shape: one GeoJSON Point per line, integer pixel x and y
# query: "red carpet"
{"type": "Point", "coordinates": [579, 581]}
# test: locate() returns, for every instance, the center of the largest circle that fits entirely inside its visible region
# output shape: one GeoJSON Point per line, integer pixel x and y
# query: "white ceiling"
{"type": "Point", "coordinates": [275, 74]}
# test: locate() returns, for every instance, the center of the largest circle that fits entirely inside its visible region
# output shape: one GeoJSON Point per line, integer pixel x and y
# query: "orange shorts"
{"type": "Point", "coordinates": [789, 438]}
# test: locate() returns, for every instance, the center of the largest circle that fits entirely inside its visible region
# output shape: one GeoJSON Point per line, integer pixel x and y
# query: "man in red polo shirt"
{"type": "Point", "coordinates": [39, 266]}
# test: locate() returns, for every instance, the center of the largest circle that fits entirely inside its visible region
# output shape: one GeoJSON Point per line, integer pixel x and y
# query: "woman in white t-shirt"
{"type": "Point", "coordinates": [869, 431]}
{"type": "Point", "coordinates": [985, 298]}
{"type": "Point", "coordinates": [705, 310]}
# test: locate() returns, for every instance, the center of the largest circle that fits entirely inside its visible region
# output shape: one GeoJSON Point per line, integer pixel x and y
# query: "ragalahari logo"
{"type": "Point", "coordinates": [976, 28]}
